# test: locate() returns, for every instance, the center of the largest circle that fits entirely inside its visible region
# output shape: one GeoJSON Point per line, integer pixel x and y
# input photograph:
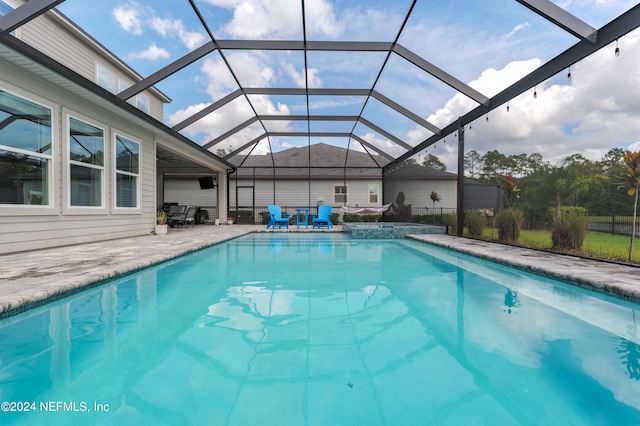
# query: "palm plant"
{"type": "Point", "coordinates": [631, 180]}
{"type": "Point", "coordinates": [435, 198]}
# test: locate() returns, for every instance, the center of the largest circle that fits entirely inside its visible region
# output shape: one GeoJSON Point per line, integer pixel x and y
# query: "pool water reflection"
{"type": "Point", "coordinates": [320, 329]}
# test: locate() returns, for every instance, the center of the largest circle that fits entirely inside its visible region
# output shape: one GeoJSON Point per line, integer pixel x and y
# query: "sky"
{"type": "Point", "coordinates": [487, 45]}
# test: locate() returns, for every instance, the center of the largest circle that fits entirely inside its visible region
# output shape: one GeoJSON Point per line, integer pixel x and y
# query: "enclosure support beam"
{"type": "Point", "coordinates": [460, 192]}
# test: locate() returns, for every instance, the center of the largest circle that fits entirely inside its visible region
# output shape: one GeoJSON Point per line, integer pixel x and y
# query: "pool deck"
{"type": "Point", "coordinates": [29, 279]}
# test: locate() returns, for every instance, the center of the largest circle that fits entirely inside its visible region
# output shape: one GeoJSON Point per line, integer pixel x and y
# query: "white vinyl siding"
{"type": "Point", "coordinates": [416, 192]}
{"type": "Point", "coordinates": [188, 192]}
{"type": "Point", "coordinates": [53, 37]}
{"type": "Point", "coordinates": [291, 193]}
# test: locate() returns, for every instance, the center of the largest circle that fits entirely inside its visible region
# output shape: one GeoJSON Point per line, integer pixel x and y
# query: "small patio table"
{"type": "Point", "coordinates": [300, 222]}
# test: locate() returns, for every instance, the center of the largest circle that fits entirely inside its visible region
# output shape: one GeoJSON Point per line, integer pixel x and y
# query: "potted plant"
{"type": "Point", "coordinates": [229, 221]}
{"type": "Point", "coordinates": [161, 222]}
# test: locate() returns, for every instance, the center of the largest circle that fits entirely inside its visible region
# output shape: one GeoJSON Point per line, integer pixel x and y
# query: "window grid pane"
{"type": "Point", "coordinates": [23, 179]}
{"type": "Point", "coordinates": [86, 143]}
{"type": "Point", "coordinates": [126, 190]}
{"type": "Point", "coordinates": [340, 194]}
{"type": "Point", "coordinates": [127, 153]}
{"type": "Point", "coordinates": [86, 186]}
{"type": "Point", "coordinates": [26, 125]}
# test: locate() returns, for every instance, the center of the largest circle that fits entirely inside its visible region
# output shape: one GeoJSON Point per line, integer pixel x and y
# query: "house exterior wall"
{"type": "Point", "coordinates": [186, 191]}
{"type": "Point", "coordinates": [54, 36]}
{"type": "Point", "coordinates": [300, 193]}
{"type": "Point", "coordinates": [417, 192]}
{"type": "Point", "coordinates": [27, 227]}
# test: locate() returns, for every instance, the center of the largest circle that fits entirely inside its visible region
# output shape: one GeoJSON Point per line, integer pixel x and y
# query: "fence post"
{"type": "Point", "coordinates": [613, 221]}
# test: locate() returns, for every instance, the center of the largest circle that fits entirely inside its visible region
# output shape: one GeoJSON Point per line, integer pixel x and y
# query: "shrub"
{"type": "Point", "coordinates": [475, 221]}
{"type": "Point", "coordinates": [350, 217]}
{"type": "Point", "coordinates": [450, 220]}
{"type": "Point", "coordinates": [371, 217]}
{"type": "Point", "coordinates": [509, 222]}
{"type": "Point", "coordinates": [266, 218]}
{"type": "Point", "coordinates": [569, 229]}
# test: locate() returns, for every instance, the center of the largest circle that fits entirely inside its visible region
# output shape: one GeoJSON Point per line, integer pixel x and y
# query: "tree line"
{"type": "Point", "coordinates": [531, 183]}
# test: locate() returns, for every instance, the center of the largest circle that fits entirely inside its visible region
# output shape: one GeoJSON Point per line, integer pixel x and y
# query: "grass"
{"type": "Point", "coordinates": [596, 244]}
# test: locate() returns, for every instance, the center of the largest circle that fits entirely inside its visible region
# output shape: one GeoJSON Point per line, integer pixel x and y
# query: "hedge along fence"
{"type": "Point", "coordinates": [613, 224]}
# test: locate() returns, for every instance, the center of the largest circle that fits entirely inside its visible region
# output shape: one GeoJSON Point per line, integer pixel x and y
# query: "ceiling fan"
{"type": "Point", "coordinates": [167, 158]}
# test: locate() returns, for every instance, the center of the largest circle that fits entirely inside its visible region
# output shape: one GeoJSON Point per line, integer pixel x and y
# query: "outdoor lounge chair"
{"type": "Point", "coordinates": [278, 220]}
{"type": "Point", "coordinates": [175, 214]}
{"type": "Point", "coordinates": [185, 216]}
{"type": "Point", "coordinates": [323, 218]}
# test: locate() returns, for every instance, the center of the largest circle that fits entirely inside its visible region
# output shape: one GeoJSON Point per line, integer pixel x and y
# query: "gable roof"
{"type": "Point", "coordinates": [326, 161]}
{"type": "Point", "coordinates": [409, 170]}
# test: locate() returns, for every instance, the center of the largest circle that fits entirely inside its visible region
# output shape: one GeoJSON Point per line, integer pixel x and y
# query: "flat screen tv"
{"type": "Point", "coordinates": [206, 182]}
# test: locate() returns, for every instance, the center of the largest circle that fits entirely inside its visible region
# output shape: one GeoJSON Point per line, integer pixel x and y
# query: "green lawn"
{"type": "Point", "coordinates": [596, 244]}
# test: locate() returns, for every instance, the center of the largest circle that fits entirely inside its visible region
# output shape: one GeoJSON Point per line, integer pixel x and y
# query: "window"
{"type": "Point", "coordinates": [373, 194]}
{"type": "Point", "coordinates": [127, 163]}
{"type": "Point", "coordinates": [25, 151]}
{"type": "Point", "coordinates": [86, 160]}
{"type": "Point", "coordinates": [142, 102]}
{"type": "Point", "coordinates": [340, 194]}
{"type": "Point", "coordinates": [106, 79]}
{"type": "Point", "coordinates": [124, 86]}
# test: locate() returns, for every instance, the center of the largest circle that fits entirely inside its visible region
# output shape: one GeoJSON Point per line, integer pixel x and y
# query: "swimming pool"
{"type": "Point", "coordinates": [319, 329]}
{"type": "Point", "coordinates": [389, 230]}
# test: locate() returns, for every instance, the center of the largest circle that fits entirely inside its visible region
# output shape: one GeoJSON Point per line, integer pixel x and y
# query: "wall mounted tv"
{"type": "Point", "coordinates": [207, 182]}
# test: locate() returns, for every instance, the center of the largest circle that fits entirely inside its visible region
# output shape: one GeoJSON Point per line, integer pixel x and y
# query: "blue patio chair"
{"type": "Point", "coordinates": [278, 219]}
{"type": "Point", "coordinates": [323, 218]}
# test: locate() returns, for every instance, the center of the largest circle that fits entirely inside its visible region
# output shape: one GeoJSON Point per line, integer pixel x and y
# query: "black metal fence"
{"type": "Point", "coordinates": [613, 224]}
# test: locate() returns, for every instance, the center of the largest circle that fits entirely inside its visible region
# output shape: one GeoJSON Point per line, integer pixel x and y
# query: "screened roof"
{"type": "Point", "coordinates": [371, 76]}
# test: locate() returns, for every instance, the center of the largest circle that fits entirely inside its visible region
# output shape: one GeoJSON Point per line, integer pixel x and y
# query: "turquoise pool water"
{"type": "Point", "coordinates": [319, 329]}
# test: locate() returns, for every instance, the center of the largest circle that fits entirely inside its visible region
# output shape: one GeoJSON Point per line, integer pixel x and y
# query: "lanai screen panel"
{"type": "Point", "coordinates": [418, 69]}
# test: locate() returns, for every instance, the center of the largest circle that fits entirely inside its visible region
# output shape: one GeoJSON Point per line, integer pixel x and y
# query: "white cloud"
{"type": "Point", "coordinates": [128, 17]}
{"type": "Point", "coordinates": [168, 27]}
{"type": "Point", "coordinates": [596, 111]}
{"type": "Point", "coordinates": [515, 30]}
{"type": "Point", "coordinates": [135, 18]}
{"type": "Point", "coordinates": [298, 77]}
{"type": "Point", "coordinates": [279, 19]}
{"type": "Point", "coordinates": [248, 67]}
{"type": "Point", "coordinates": [383, 144]}
{"type": "Point", "coordinates": [152, 53]}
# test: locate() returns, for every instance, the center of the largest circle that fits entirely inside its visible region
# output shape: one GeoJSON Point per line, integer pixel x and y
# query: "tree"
{"type": "Point", "coordinates": [472, 164]}
{"type": "Point", "coordinates": [221, 152]}
{"type": "Point", "coordinates": [495, 166]}
{"type": "Point", "coordinates": [631, 180]}
{"type": "Point", "coordinates": [435, 198]}
{"type": "Point", "coordinates": [614, 199]}
{"type": "Point", "coordinates": [433, 162]}
{"type": "Point", "coordinates": [571, 179]}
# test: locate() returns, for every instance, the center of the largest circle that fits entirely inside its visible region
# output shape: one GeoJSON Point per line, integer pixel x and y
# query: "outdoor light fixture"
{"type": "Point", "coordinates": [507, 106]}
{"type": "Point", "coordinates": [617, 51]}
{"type": "Point", "coordinates": [535, 92]}
{"type": "Point", "coordinates": [487, 117]}
{"type": "Point", "coordinates": [569, 73]}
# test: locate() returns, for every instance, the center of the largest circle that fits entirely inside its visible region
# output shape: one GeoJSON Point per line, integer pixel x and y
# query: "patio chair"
{"type": "Point", "coordinates": [323, 218]}
{"type": "Point", "coordinates": [176, 214]}
{"type": "Point", "coordinates": [186, 216]}
{"type": "Point", "coordinates": [190, 218]}
{"type": "Point", "coordinates": [278, 219]}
